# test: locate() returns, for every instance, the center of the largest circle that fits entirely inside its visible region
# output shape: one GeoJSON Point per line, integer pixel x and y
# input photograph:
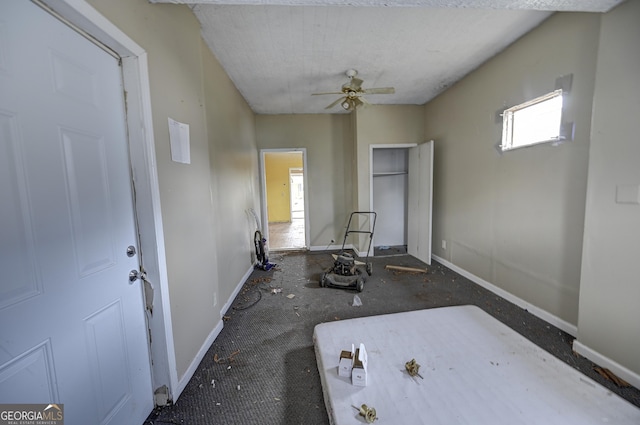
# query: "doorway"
{"type": "Point", "coordinates": [401, 192]}
{"type": "Point", "coordinates": [284, 199]}
{"type": "Point", "coordinates": [390, 198]}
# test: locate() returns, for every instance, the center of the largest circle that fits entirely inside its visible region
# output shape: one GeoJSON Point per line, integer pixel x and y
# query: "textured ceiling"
{"type": "Point", "coordinates": [279, 52]}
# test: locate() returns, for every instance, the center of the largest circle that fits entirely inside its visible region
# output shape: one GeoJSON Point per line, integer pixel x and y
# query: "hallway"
{"type": "Point", "coordinates": [286, 236]}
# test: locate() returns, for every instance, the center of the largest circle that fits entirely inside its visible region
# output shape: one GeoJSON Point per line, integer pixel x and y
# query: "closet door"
{"type": "Point", "coordinates": [420, 201]}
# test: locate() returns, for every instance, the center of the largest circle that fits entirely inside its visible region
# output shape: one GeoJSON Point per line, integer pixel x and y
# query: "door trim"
{"type": "Point", "coordinates": [143, 165]}
{"type": "Point", "coordinates": [292, 172]}
{"type": "Point", "coordinates": [263, 192]}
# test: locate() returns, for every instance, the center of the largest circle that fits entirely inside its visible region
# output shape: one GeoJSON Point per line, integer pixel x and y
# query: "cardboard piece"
{"type": "Point", "coordinates": [359, 371]}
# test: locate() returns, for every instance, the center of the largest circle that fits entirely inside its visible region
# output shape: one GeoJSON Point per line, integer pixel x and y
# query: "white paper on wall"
{"type": "Point", "coordinates": [179, 140]}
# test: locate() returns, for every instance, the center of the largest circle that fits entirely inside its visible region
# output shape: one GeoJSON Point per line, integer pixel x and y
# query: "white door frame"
{"type": "Point", "coordinates": [143, 165]}
{"type": "Point", "coordinates": [263, 194]}
{"type": "Point", "coordinates": [295, 171]}
{"type": "Point", "coordinates": [371, 148]}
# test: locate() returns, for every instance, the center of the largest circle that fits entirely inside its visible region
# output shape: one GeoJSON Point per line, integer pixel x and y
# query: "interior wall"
{"type": "Point", "coordinates": [516, 219]}
{"type": "Point", "coordinates": [278, 184]}
{"type": "Point", "coordinates": [235, 179]}
{"type": "Point", "coordinates": [609, 317]}
{"type": "Point", "coordinates": [222, 156]}
{"type": "Point", "coordinates": [328, 141]}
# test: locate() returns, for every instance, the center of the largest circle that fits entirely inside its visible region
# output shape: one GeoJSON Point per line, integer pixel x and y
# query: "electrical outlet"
{"type": "Point", "coordinates": [444, 244]}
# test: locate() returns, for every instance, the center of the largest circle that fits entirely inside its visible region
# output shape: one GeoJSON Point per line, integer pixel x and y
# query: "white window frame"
{"type": "Point", "coordinates": [509, 118]}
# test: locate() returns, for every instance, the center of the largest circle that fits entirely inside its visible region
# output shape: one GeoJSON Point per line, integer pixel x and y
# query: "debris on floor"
{"type": "Point", "coordinates": [291, 296]}
{"type": "Point", "coordinates": [405, 269]}
{"type": "Point", "coordinates": [357, 302]}
{"type": "Point", "coordinates": [264, 279]}
{"type": "Point", "coordinates": [607, 374]}
{"type": "Point", "coordinates": [225, 360]}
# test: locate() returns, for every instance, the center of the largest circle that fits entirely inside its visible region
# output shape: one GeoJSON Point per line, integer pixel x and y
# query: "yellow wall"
{"type": "Point", "coordinates": [276, 166]}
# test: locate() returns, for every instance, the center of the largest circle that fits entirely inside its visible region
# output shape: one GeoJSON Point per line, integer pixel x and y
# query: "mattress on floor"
{"type": "Point", "coordinates": [475, 370]}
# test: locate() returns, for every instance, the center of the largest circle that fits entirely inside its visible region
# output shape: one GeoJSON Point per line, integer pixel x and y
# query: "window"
{"type": "Point", "coordinates": [533, 122]}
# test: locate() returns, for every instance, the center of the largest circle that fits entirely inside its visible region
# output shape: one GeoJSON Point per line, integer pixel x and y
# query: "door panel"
{"type": "Point", "coordinates": [72, 326]}
{"type": "Point", "coordinates": [88, 188]}
{"type": "Point", "coordinates": [420, 201]}
{"type": "Point", "coordinates": [18, 264]}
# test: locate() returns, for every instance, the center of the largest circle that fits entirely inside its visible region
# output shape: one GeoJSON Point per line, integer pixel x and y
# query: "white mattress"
{"type": "Point", "coordinates": [476, 370]}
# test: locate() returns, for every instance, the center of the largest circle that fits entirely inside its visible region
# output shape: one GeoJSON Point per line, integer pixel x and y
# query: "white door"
{"type": "Point", "coordinates": [72, 326]}
{"type": "Point", "coordinates": [420, 201]}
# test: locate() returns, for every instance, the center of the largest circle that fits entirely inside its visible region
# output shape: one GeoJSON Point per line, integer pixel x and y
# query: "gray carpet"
{"type": "Point", "coordinates": [263, 367]}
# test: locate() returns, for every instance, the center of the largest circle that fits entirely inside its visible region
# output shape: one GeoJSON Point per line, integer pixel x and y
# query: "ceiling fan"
{"type": "Point", "coordinates": [352, 92]}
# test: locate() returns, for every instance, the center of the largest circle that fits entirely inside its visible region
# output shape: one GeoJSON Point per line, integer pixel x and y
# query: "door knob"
{"type": "Point", "coordinates": [131, 251]}
{"type": "Point", "coordinates": [134, 275]}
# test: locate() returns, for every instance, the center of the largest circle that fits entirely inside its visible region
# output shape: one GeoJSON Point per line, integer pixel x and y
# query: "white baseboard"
{"type": "Point", "coordinates": [536, 311]}
{"type": "Point", "coordinates": [233, 296]}
{"type": "Point", "coordinates": [184, 380]}
{"type": "Point", "coordinates": [603, 361]}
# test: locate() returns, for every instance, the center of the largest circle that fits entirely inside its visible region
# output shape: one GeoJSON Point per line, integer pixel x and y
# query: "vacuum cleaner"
{"type": "Point", "coordinates": [262, 257]}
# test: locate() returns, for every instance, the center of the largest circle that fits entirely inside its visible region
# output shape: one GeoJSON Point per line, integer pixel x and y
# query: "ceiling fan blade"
{"type": "Point", "coordinates": [336, 102]}
{"type": "Point", "coordinates": [380, 90]}
{"type": "Point", "coordinates": [329, 92]}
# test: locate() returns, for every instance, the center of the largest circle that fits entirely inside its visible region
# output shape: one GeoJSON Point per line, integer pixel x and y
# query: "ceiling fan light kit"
{"type": "Point", "coordinates": [352, 92]}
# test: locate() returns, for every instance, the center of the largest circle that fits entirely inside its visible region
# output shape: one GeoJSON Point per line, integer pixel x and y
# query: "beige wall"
{"type": "Point", "coordinates": [516, 219]}
{"type": "Point", "coordinates": [381, 125]}
{"type": "Point", "coordinates": [338, 157]}
{"type": "Point", "coordinates": [609, 317]}
{"type": "Point", "coordinates": [234, 175]}
{"type": "Point", "coordinates": [329, 143]}
{"type": "Point", "coordinates": [195, 198]}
